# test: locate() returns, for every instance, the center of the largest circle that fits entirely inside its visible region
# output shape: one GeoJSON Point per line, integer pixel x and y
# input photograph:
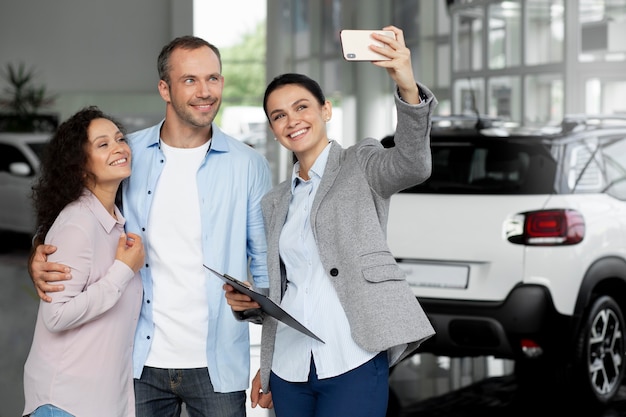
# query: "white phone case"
{"type": "Point", "coordinates": [355, 44]}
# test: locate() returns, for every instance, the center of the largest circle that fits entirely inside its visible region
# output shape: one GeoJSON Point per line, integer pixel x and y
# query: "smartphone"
{"type": "Point", "coordinates": [355, 44]}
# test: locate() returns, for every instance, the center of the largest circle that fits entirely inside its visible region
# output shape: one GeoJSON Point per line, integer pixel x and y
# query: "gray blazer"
{"type": "Point", "coordinates": [349, 222]}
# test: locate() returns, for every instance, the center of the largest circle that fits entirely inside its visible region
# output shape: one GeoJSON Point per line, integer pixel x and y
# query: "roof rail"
{"type": "Point", "coordinates": [573, 122]}
{"type": "Point", "coordinates": [464, 121]}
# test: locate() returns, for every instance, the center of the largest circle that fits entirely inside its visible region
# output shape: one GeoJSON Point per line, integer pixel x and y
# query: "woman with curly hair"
{"type": "Point", "coordinates": [80, 361]}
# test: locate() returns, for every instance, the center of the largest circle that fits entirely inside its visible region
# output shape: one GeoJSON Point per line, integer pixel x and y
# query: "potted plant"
{"type": "Point", "coordinates": [22, 101]}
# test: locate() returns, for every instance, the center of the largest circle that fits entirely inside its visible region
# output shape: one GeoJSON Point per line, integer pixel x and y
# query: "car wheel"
{"type": "Point", "coordinates": [600, 351]}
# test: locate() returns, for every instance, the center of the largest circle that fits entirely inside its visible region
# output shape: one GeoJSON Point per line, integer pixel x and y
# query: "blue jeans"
{"type": "Point", "coordinates": [161, 393]}
{"type": "Point", "coordinates": [361, 392]}
{"type": "Point", "coordinates": [48, 410]}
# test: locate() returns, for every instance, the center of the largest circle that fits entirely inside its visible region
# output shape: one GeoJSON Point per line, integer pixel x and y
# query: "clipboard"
{"type": "Point", "coordinates": [267, 305]}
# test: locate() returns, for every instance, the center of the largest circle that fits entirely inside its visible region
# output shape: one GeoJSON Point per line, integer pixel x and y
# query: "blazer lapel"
{"type": "Point", "coordinates": [330, 174]}
{"type": "Point", "coordinates": [281, 209]}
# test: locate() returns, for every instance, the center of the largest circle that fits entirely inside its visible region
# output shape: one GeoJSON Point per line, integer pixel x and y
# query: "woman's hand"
{"type": "Point", "coordinates": [399, 66]}
{"type": "Point", "coordinates": [130, 250]}
{"type": "Point", "coordinates": [238, 301]}
{"type": "Point", "coordinates": [257, 396]}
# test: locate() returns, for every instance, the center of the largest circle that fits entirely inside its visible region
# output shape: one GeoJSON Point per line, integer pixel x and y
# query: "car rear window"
{"type": "Point", "coordinates": [466, 166]}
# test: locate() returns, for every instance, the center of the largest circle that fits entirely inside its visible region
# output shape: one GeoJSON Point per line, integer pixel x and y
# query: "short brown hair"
{"type": "Point", "coordinates": [182, 42]}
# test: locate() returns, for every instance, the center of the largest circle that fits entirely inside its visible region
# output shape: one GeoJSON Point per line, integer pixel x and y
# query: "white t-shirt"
{"type": "Point", "coordinates": [174, 246]}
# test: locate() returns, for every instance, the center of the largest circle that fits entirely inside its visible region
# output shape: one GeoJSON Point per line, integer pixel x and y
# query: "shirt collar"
{"type": "Point", "coordinates": [219, 141]}
{"type": "Point", "coordinates": [104, 217]}
{"type": "Point", "coordinates": [317, 170]}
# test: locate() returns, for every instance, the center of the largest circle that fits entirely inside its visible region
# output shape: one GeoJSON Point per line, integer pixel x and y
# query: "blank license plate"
{"type": "Point", "coordinates": [435, 275]}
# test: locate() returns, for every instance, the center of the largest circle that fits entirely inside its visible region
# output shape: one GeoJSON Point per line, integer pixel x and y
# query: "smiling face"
{"type": "Point", "coordinates": [108, 155]}
{"type": "Point", "coordinates": [194, 92]}
{"type": "Point", "coordinates": [298, 120]}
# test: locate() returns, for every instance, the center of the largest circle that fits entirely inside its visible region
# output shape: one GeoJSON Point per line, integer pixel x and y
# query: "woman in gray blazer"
{"type": "Point", "coordinates": [328, 260]}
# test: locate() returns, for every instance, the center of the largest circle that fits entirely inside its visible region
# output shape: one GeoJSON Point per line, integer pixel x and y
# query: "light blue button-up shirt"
{"type": "Point", "coordinates": [231, 181]}
{"type": "Point", "coordinates": [310, 296]}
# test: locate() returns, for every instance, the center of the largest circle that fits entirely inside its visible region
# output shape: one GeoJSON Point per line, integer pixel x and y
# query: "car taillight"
{"type": "Point", "coordinates": [554, 227]}
{"type": "Point", "coordinates": [549, 228]}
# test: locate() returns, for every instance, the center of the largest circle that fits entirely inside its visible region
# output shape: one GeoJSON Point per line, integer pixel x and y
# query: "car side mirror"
{"type": "Point", "coordinates": [21, 169]}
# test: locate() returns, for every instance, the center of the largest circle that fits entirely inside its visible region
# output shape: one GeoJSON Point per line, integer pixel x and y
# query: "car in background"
{"type": "Point", "coordinates": [20, 154]}
{"type": "Point", "coordinates": [516, 249]}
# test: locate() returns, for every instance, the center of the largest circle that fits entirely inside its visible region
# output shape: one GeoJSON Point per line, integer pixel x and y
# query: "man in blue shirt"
{"type": "Point", "coordinates": [194, 197]}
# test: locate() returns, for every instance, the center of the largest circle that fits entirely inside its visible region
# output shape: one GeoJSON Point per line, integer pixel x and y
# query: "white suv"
{"type": "Point", "coordinates": [20, 154]}
{"type": "Point", "coordinates": [516, 248]}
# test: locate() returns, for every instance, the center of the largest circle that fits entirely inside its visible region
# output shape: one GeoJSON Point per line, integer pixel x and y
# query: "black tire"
{"type": "Point", "coordinates": [593, 376]}
{"type": "Point", "coordinates": [600, 360]}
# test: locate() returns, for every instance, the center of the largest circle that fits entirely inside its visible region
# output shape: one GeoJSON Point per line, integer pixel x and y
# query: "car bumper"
{"type": "Point", "coordinates": [472, 328]}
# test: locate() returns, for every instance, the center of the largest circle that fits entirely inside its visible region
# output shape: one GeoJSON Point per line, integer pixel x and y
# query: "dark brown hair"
{"type": "Point", "coordinates": [63, 172]}
{"type": "Point", "coordinates": [293, 78]}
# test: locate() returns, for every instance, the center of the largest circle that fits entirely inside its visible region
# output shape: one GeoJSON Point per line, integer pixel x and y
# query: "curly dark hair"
{"type": "Point", "coordinates": [63, 172]}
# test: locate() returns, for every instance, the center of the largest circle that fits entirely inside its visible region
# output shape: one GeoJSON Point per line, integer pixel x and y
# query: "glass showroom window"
{"type": "Point", "coordinates": [614, 155]}
{"type": "Point", "coordinates": [432, 39]}
{"type": "Point", "coordinates": [544, 99]}
{"type": "Point", "coordinates": [421, 18]}
{"type": "Point", "coordinates": [469, 96]}
{"type": "Point", "coordinates": [331, 27]}
{"type": "Point", "coordinates": [605, 96]}
{"type": "Point", "coordinates": [406, 13]}
{"type": "Point", "coordinates": [545, 31]}
{"type": "Point", "coordinates": [603, 29]}
{"type": "Point", "coordinates": [243, 55]}
{"type": "Point", "coordinates": [468, 30]}
{"type": "Point", "coordinates": [504, 100]}
{"type": "Point", "coordinates": [301, 28]}
{"type": "Point", "coordinates": [504, 34]}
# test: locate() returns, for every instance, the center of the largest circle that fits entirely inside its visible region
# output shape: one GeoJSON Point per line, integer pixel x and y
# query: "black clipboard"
{"type": "Point", "coordinates": [267, 305]}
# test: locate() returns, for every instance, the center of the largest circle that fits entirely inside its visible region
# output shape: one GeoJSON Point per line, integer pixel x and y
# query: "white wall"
{"type": "Point", "coordinates": [94, 52]}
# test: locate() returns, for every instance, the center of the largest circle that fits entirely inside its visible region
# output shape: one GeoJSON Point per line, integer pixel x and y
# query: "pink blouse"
{"type": "Point", "coordinates": [81, 356]}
